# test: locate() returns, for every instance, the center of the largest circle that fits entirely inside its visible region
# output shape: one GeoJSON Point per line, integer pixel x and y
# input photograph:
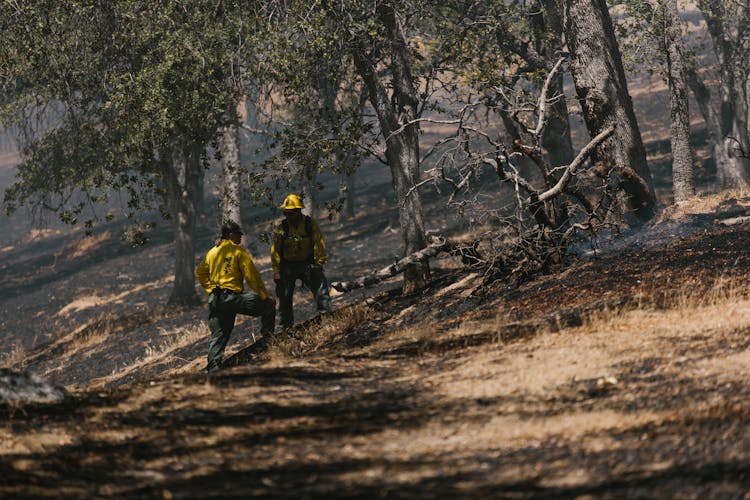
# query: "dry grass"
{"type": "Point", "coordinates": [685, 297]}
{"type": "Point", "coordinates": [699, 337]}
{"type": "Point", "coordinates": [82, 246]}
{"type": "Point", "coordinates": [315, 336]}
{"type": "Point", "coordinates": [160, 350]}
{"type": "Point", "coordinates": [700, 205]}
{"type": "Point", "coordinates": [172, 341]}
{"type": "Point", "coordinates": [115, 346]}
{"type": "Point", "coordinates": [531, 377]}
{"type": "Point", "coordinates": [16, 354]}
{"type": "Point", "coordinates": [89, 334]}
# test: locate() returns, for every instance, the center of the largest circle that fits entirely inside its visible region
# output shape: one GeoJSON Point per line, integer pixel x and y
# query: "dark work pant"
{"type": "Point", "coordinates": [312, 277]}
{"type": "Point", "coordinates": [223, 307]}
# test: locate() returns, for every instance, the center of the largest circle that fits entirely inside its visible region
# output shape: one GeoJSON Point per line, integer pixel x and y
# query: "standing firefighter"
{"type": "Point", "coordinates": [298, 252]}
{"type": "Point", "coordinates": [222, 273]}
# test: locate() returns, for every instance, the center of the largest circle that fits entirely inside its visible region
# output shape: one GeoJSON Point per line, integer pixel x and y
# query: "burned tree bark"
{"type": "Point", "coordinates": [682, 152]}
{"type": "Point", "coordinates": [230, 192]}
{"type": "Point", "coordinates": [600, 83]}
{"type": "Point", "coordinates": [729, 27]}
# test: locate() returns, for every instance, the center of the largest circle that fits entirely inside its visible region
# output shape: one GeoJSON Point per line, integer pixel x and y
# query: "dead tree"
{"type": "Point", "coordinates": [535, 236]}
{"type": "Point", "coordinates": [528, 256]}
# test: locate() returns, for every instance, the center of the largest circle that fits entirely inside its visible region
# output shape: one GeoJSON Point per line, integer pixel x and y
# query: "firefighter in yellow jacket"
{"type": "Point", "coordinates": [298, 252]}
{"type": "Point", "coordinates": [222, 274]}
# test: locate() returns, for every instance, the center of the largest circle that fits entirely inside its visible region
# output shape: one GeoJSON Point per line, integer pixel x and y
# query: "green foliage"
{"type": "Point", "coordinates": [134, 80]}
{"type": "Point", "coordinates": [640, 32]}
{"type": "Point", "coordinates": [313, 110]}
{"type": "Point", "coordinates": [482, 42]}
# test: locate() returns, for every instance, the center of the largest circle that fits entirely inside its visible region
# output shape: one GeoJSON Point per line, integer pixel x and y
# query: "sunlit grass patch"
{"type": "Point", "coordinates": [159, 350]}
{"type": "Point", "coordinates": [688, 296]}
{"type": "Point", "coordinates": [92, 332]}
{"type": "Point", "coordinates": [701, 205]}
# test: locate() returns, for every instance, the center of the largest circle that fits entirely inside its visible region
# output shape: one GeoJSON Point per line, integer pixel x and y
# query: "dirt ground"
{"type": "Point", "coordinates": [623, 377]}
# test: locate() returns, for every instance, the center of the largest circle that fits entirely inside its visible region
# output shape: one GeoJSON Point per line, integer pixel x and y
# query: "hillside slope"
{"type": "Point", "coordinates": [622, 377]}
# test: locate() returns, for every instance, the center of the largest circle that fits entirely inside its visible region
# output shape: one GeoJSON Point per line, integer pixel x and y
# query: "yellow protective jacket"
{"type": "Point", "coordinates": [227, 266]}
{"type": "Point", "coordinates": [297, 246]}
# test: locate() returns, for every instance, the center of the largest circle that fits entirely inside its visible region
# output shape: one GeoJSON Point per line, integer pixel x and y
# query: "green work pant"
{"type": "Point", "coordinates": [312, 277]}
{"type": "Point", "coordinates": [223, 307]}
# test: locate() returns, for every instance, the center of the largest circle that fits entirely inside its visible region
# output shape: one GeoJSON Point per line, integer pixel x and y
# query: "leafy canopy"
{"type": "Point", "coordinates": [108, 90]}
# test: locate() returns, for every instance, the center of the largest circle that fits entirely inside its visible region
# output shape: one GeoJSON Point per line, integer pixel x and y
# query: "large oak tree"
{"type": "Point", "coordinates": [601, 87]}
{"type": "Point", "coordinates": [143, 88]}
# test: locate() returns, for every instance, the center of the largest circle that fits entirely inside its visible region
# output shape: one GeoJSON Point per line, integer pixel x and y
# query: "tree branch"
{"type": "Point", "coordinates": [437, 245]}
{"type": "Point", "coordinates": [575, 164]}
{"type": "Point", "coordinates": [543, 101]}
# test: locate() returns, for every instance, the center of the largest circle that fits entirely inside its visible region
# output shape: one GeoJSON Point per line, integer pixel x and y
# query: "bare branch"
{"type": "Point", "coordinates": [512, 176]}
{"type": "Point", "coordinates": [431, 120]}
{"type": "Point", "coordinates": [575, 164]}
{"type": "Point", "coordinates": [543, 101]}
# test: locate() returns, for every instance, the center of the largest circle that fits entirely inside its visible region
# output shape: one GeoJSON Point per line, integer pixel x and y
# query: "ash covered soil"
{"type": "Point", "coordinates": [623, 376]}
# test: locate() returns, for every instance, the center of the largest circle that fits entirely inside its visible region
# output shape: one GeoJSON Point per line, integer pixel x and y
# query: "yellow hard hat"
{"type": "Point", "coordinates": [292, 202]}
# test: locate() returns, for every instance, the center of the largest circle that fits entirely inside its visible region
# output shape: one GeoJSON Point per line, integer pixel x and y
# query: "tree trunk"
{"type": "Point", "coordinates": [346, 184]}
{"type": "Point", "coordinates": [396, 115]}
{"type": "Point", "coordinates": [709, 113]}
{"type": "Point", "coordinates": [309, 191]}
{"type": "Point", "coordinates": [683, 158]}
{"type": "Point", "coordinates": [556, 138]}
{"type": "Point", "coordinates": [200, 196]}
{"type": "Point", "coordinates": [345, 161]}
{"type": "Point", "coordinates": [602, 91]}
{"type": "Point", "coordinates": [181, 172]}
{"type": "Point", "coordinates": [729, 28]}
{"type": "Point", "coordinates": [230, 193]}
{"type": "Point", "coordinates": [347, 193]}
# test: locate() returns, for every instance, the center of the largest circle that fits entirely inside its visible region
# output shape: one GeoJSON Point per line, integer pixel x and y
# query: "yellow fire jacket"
{"type": "Point", "coordinates": [297, 246]}
{"type": "Point", "coordinates": [228, 265]}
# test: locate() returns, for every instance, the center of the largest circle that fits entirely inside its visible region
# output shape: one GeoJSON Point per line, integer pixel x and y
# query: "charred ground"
{"type": "Point", "coordinates": [442, 394]}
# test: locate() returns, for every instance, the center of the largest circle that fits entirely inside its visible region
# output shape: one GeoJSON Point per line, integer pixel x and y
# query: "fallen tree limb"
{"type": "Point", "coordinates": [734, 221]}
{"type": "Point", "coordinates": [436, 246]}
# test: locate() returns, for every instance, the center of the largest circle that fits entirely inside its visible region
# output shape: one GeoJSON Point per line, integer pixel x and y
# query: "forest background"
{"type": "Point", "coordinates": [498, 139]}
